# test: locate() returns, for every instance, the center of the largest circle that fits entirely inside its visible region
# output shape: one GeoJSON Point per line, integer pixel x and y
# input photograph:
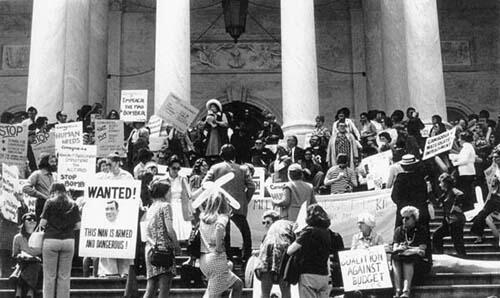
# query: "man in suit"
{"type": "Point", "coordinates": [294, 152]}
{"type": "Point", "coordinates": [241, 187]}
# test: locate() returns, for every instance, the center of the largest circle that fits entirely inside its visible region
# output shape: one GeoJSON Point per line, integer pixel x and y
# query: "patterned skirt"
{"type": "Point", "coordinates": [215, 268]}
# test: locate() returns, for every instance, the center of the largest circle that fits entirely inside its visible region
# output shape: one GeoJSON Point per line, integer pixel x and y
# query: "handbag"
{"type": "Point", "coordinates": [36, 238]}
{"type": "Point", "coordinates": [161, 257]}
{"type": "Point", "coordinates": [194, 242]}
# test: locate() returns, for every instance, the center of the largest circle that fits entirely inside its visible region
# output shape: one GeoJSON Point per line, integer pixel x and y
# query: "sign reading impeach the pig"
{"type": "Point", "coordinates": [364, 269]}
{"type": "Point", "coordinates": [109, 219]}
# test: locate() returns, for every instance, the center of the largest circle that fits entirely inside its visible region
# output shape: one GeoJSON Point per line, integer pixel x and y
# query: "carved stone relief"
{"type": "Point", "coordinates": [241, 57]}
{"type": "Point", "coordinates": [15, 57]}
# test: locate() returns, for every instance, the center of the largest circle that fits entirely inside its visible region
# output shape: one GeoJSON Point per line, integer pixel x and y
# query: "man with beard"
{"type": "Point", "coordinates": [40, 181]}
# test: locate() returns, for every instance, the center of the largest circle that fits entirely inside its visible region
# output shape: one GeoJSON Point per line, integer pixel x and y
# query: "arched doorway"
{"type": "Point", "coordinates": [245, 114]}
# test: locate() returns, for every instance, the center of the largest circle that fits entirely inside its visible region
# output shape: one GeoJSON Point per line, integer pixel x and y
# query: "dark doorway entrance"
{"type": "Point", "coordinates": [246, 115]}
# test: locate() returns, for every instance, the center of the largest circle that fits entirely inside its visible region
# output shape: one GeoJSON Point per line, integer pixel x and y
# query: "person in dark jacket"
{"type": "Point", "coordinates": [453, 222]}
{"type": "Point", "coordinates": [410, 188]}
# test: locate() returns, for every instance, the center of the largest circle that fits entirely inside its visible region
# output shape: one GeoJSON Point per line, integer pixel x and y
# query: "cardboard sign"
{"type": "Point", "coordinates": [134, 105]}
{"type": "Point", "coordinates": [69, 134]}
{"type": "Point", "coordinates": [258, 179]}
{"type": "Point", "coordinates": [177, 112]}
{"type": "Point", "coordinates": [14, 145]}
{"type": "Point", "coordinates": [109, 137]}
{"type": "Point", "coordinates": [109, 219]}
{"type": "Point", "coordinates": [28, 200]}
{"type": "Point", "coordinates": [76, 165]}
{"type": "Point", "coordinates": [154, 126]}
{"type": "Point", "coordinates": [9, 203]}
{"type": "Point", "coordinates": [276, 190]}
{"type": "Point", "coordinates": [364, 269]}
{"type": "Point", "coordinates": [44, 142]}
{"type": "Point", "coordinates": [439, 144]}
{"type": "Point", "coordinates": [156, 143]}
{"type": "Point", "coordinates": [376, 168]}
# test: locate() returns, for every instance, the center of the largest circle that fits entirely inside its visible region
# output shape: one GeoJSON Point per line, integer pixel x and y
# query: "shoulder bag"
{"type": "Point", "coordinates": [162, 257]}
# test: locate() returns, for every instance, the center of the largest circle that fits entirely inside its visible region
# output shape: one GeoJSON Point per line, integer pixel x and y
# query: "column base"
{"type": "Point", "coordinates": [300, 130]}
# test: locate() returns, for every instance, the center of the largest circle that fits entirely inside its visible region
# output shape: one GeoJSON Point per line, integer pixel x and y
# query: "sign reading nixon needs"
{"type": "Point", "coordinates": [134, 105]}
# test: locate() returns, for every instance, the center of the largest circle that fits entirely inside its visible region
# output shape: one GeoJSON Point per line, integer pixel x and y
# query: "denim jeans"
{"type": "Point", "coordinates": [313, 286]}
{"type": "Point", "coordinates": [57, 257]}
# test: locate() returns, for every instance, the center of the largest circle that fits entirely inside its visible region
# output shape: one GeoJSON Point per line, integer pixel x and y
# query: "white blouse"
{"type": "Point", "coordinates": [465, 160]}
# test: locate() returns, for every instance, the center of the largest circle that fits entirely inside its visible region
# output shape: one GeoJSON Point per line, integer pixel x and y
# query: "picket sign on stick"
{"type": "Point", "coordinates": [14, 145]}
{"type": "Point", "coordinates": [134, 105]}
{"type": "Point", "coordinates": [177, 112]}
{"type": "Point", "coordinates": [439, 144]}
{"type": "Point", "coordinates": [9, 203]}
{"type": "Point", "coordinates": [69, 134]}
{"type": "Point", "coordinates": [44, 142]}
{"type": "Point", "coordinates": [109, 137]}
{"type": "Point", "coordinates": [76, 165]}
{"type": "Point", "coordinates": [109, 219]}
{"type": "Point", "coordinates": [365, 269]}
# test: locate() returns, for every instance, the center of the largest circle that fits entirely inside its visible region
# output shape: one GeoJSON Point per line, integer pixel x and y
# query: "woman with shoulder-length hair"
{"type": "Point", "coordinates": [213, 260]}
{"type": "Point", "coordinates": [159, 231]}
{"type": "Point", "coordinates": [28, 265]}
{"type": "Point", "coordinates": [60, 217]}
{"type": "Point", "coordinates": [464, 160]}
{"type": "Point", "coordinates": [314, 244]}
{"type": "Point", "coordinates": [411, 252]}
{"type": "Point", "coordinates": [295, 193]}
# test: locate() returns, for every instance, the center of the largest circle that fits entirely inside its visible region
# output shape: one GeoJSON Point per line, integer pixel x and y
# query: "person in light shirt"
{"type": "Point", "coordinates": [366, 237]}
{"type": "Point", "coordinates": [464, 160]}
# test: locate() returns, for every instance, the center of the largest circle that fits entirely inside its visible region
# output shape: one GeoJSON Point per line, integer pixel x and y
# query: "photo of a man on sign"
{"type": "Point", "coordinates": [111, 210]}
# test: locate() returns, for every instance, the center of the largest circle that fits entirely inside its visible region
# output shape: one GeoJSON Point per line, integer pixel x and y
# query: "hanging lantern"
{"type": "Point", "coordinates": [235, 16]}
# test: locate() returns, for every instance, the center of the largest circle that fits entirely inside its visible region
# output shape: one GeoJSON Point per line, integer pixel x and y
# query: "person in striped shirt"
{"type": "Point", "coordinates": [340, 177]}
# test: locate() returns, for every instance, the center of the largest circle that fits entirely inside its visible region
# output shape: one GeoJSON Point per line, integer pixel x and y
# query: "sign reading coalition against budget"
{"type": "Point", "coordinates": [364, 269]}
{"type": "Point", "coordinates": [14, 145]}
{"type": "Point", "coordinates": [134, 105]}
{"type": "Point", "coordinates": [109, 219]}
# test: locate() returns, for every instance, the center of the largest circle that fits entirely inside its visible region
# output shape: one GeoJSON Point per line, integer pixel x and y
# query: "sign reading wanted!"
{"type": "Point", "coordinates": [109, 219]}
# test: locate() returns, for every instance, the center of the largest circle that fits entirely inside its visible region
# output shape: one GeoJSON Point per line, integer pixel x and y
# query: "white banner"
{"type": "Point", "coordinates": [376, 168]}
{"type": "Point", "coordinates": [44, 142]}
{"type": "Point", "coordinates": [9, 202]}
{"type": "Point", "coordinates": [364, 269]}
{"type": "Point", "coordinates": [343, 210]}
{"type": "Point", "coordinates": [109, 219]}
{"type": "Point", "coordinates": [69, 134]}
{"type": "Point", "coordinates": [109, 137]}
{"type": "Point", "coordinates": [134, 105]}
{"type": "Point", "coordinates": [76, 165]}
{"type": "Point", "coordinates": [177, 112]}
{"type": "Point", "coordinates": [14, 145]}
{"type": "Point", "coordinates": [439, 144]}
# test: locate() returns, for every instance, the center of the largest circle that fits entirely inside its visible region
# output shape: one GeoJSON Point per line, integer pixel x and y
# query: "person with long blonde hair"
{"type": "Point", "coordinates": [213, 260]}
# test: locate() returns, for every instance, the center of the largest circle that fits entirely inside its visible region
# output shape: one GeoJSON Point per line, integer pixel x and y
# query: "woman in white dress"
{"type": "Point", "coordinates": [180, 199]}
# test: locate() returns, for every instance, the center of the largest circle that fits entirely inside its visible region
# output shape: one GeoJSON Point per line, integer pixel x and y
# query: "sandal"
{"type": "Point", "coordinates": [406, 294]}
{"type": "Point", "coordinates": [397, 294]}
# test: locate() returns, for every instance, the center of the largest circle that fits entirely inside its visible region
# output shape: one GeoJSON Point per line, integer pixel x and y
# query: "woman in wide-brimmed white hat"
{"type": "Point", "coordinates": [216, 124]}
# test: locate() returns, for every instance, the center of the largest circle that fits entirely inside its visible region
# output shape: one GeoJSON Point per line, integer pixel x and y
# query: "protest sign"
{"type": "Point", "coordinates": [109, 137]}
{"type": "Point", "coordinates": [376, 168]}
{"type": "Point", "coordinates": [76, 165]}
{"type": "Point", "coordinates": [134, 105]}
{"type": "Point", "coordinates": [343, 210]}
{"type": "Point", "coordinates": [177, 112]}
{"type": "Point", "coordinates": [364, 269]}
{"type": "Point", "coordinates": [69, 134]}
{"type": "Point", "coordinates": [28, 200]}
{"type": "Point", "coordinates": [154, 126]}
{"type": "Point", "coordinates": [109, 219]}
{"type": "Point", "coordinates": [43, 142]}
{"type": "Point", "coordinates": [439, 144]}
{"type": "Point", "coordinates": [156, 143]}
{"type": "Point", "coordinates": [14, 145]}
{"type": "Point", "coordinates": [9, 203]}
{"type": "Point", "coordinates": [258, 179]}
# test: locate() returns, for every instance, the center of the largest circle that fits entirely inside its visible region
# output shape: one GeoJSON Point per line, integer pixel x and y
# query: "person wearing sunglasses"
{"type": "Point", "coordinates": [28, 265]}
{"type": "Point", "coordinates": [412, 255]}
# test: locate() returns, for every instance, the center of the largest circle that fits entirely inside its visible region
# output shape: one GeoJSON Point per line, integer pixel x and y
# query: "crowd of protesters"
{"type": "Point", "coordinates": [221, 144]}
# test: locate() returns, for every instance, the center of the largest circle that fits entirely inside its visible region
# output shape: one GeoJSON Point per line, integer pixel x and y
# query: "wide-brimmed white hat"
{"type": "Point", "coordinates": [215, 102]}
{"type": "Point", "coordinates": [408, 159]}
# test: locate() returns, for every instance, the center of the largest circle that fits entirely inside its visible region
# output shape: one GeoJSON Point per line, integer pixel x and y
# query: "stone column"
{"type": "Point", "coordinates": [358, 58]}
{"type": "Point", "coordinates": [172, 51]}
{"type": "Point", "coordinates": [373, 55]}
{"type": "Point", "coordinates": [424, 65]}
{"type": "Point", "coordinates": [394, 53]}
{"type": "Point", "coordinates": [299, 68]}
{"type": "Point", "coordinates": [114, 55]}
{"type": "Point", "coordinates": [46, 66]}
{"type": "Point", "coordinates": [59, 57]}
{"type": "Point", "coordinates": [98, 51]}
